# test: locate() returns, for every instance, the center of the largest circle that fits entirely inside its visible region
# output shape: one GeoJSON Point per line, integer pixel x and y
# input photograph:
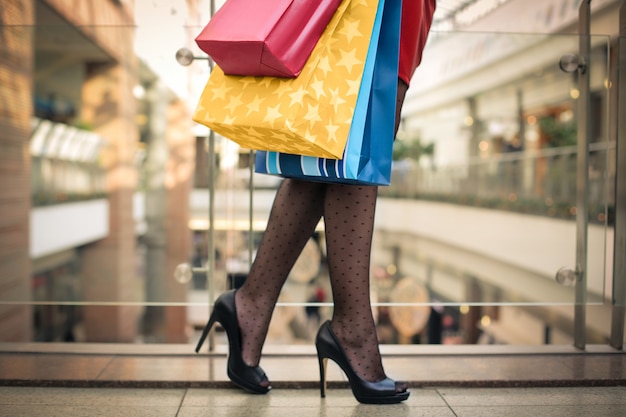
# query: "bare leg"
{"type": "Point", "coordinates": [297, 209]}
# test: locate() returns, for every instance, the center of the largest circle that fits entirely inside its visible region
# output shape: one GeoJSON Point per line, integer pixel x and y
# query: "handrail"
{"type": "Point", "coordinates": [515, 174]}
{"type": "Point", "coordinates": [540, 153]}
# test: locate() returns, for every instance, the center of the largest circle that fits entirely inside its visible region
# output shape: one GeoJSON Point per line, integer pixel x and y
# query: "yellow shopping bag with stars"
{"type": "Point", "coordinates": [308, 115]}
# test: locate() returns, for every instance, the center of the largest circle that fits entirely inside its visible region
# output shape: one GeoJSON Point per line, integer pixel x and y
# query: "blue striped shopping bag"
{"type": "Point", "coordinates": [368, 153]}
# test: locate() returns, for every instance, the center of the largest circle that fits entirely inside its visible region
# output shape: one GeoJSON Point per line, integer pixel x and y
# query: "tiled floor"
{"type": "Point", "coordinates": [177, 366]}
{"type": "Point", "coordinates": [431, 402]}
{"type": "Point", "coordinates": [131, 380]}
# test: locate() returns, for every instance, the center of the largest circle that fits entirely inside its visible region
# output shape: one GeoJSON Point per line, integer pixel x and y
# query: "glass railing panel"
{"type": "Point", "coordinates": [496, 175]}
{"type": "Point", "coordinates": [472, 232]}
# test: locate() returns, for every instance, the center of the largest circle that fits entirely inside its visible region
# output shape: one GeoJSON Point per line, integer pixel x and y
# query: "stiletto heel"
{"type": "Point", "coordinates": [205, 332]}
{"type": "Point", "coordinates": [249, 378]}
{"type": "Point", "coordinates": [381, 392]}
{"type": "Point", "coordinates": [322, 362]}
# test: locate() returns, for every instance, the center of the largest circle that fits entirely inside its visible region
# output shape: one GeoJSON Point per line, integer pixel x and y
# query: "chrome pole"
{"type": "Point", "coordinates": [210, 270]}
{"type": "Point", "coordinates": [582, 180]}
{"type": "Point", "coordinates": [619, 249]}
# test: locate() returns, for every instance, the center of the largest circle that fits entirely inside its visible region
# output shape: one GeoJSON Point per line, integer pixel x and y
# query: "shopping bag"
{"type": "Point", "coordinates": [308, 115]}
{"type": "Point", "coordinates": [368, 154]}
{"type": "Point", "coordinates": [265, 37]}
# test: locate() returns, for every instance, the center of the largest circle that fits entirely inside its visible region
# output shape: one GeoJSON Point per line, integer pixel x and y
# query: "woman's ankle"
{"type": "Point", "coordinates": [361, 349]}
{"type": "Point", "coordinates": [252, 329]}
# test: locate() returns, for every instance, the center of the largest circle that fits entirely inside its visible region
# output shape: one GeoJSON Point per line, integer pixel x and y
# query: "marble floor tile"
{"type": "Point", "coordinates": [573, 396]}
{"type": "Point", "coordinates": [40, 396]}
{"type": "Point", "coordinates": [542, 411]}
{"type": "Point", "coordinates": [433, 402]}
{"type": "Point", "coordinates": [87, 411]}
{"type": "Point", "coordinates": [51, 367]}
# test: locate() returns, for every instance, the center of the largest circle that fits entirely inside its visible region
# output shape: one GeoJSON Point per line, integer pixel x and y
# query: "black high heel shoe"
{"type": "Point", "coordinates": [381, 392]}
{"type": "Point", "coordinates": [250, 378]}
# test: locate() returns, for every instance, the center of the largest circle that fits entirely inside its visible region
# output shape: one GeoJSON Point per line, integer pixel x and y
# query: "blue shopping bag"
{"type": "Point", "coordinates": [368, 153]}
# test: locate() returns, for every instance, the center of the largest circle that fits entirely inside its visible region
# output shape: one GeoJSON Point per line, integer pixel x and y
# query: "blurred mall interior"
{"type": "Point", "coordinates": [107, 187]}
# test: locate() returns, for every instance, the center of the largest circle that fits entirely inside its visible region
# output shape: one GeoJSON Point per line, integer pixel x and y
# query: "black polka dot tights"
{"type": "Point", "coordinates": [348, 212]}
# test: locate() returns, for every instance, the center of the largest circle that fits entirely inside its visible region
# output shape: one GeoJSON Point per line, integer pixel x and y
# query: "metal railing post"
{"type": "Point", "coordinates": [210, 268]}
{"type": "Point", "coordinates": [582, 180]}
{"type": "Point", "coordinates": [619, 254]}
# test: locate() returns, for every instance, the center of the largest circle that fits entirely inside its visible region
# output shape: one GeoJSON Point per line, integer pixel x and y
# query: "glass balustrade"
{"type": "Point", "coordinates": [470, 236]}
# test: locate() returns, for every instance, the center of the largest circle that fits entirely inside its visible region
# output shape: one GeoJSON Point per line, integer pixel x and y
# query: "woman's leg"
{"type": "Point", "coordinates": [297, 208]}
{"type": "Point", "coordinates": [349, 220]}
{"type": "Point", "coordinates": [349, 224]}
{"type": "Point", "coordinates": [401, 94]}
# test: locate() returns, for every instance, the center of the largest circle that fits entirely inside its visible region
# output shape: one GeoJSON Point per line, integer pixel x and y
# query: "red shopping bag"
{"type": "Point", "coordinates": [265, 37]}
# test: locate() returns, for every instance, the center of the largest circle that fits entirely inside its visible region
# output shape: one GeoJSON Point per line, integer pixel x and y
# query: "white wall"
{"type": "Point", "coordinates": [538, 245]}
{"type": "Point", "coordinates": [65, 226]}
